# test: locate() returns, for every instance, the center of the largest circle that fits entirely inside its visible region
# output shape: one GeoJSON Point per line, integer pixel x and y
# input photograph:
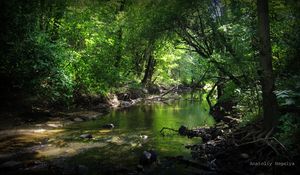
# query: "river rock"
{"type": "Point", "coordinates": [108, 126]}
{"type": "Point", "coordinates": [144, 137]}
{"type": "Point", "coordinates": [145, 91]}
{"type": "Point", "coordinates": [68, 122]}
{"type": "Point", "coordinates": [86, 136]}
{"type": "Point", "coordinates": [206, 137]}
{"type": "Point", "coordinates": [116, 140]}
{"type": "Point", "coordinates": [148, 157]}
{"type": "Point", "coordinates": [125, 104]}
{"type": "Point", "coordinates": [54, 124]}
{"type": "Point", "coordinates": [90, 115]}
{"type": "Point", "coordinates": [77, 119]}
{"type": "Point", "coordinates": [113, 101]}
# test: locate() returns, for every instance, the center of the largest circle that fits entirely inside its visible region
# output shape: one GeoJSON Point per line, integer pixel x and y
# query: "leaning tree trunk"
{"type": "Point", "coordinates": [270, 106]}
{"type": "Point", "coordinates": [149, 70]}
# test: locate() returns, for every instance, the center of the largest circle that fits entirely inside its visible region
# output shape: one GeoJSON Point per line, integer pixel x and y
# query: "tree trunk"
{"type": "Point", "coordinates": [210, 93]}
{"type": "Point", "coordinates": [270, 106]}
{"type": "Point", "coordinates": [149, 70]}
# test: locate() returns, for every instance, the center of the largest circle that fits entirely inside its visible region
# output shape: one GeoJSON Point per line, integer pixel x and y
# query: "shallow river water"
{"type": "Point", "coordinates": [136, 129]}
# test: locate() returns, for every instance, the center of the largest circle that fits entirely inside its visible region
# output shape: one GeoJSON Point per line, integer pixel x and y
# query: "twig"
{"type": "Point", "coordinates": [161, 131]}
{"type": "Point", "coordinates": [274, 149]}
{"type": "Point", "coordinates": [170, 90]}
{"type": "Point", "coordinates": [254, 141]}
{"type": "Point", "coordinates": [270, 132]}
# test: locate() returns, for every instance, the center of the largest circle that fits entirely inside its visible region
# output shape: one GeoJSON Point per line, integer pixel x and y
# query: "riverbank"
{"type": "Point", "coordinates": [226, 148]}
{"type": "Point", "coordinates": [27, 146]}
{"type": "Point", "coordinates": [85, 107]}
{"type": "Point", "coordinates": [235, 149]}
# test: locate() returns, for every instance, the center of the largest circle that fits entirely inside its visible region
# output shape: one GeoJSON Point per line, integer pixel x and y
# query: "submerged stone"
{"type": "Point", "coordinates": [108, 126]}
{"type": "Point", "coordinates": [77, 119]}
{"type": "Point", "coordinates": [86, 136]}
{"type": "Point", "coordinates": [148, 157]}
{"type": "Point", "coordinates": [144, 137]}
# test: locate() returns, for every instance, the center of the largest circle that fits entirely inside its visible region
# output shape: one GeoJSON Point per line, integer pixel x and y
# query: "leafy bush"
{"type": "Point", "coordinates": [288, 129]}
{"type": "Point", "coordinates": [43, 71]}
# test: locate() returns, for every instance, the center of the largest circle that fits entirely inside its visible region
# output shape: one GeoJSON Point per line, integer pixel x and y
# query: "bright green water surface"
{"type": "Point", "coordinates": [123, 145]}
{"type": "Point", "coordinates": [136, 129]}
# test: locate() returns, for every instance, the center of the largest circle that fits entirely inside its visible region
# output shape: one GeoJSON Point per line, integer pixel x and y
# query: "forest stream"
{"type": "Point", "coordinates": [88, 148]}
{"type": "Point", "coordinates": [101, 87]}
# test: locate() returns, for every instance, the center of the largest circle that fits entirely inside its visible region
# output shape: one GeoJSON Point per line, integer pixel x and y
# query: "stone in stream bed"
{"type": "Point", "coordinates": [54, 124]}
{"type": "Point", "coordinates": [86, 136]}
{"type": "Point", "coordinates": [125, 104]}
{"type": "Point", "coordinates": [77, 119]}
{"type": "Point", "coordinates": [148, 157]}
{"type": "Point", "coordinates": [90, 116]}
{"type": "Point", "coordinates": [108, 126]}
{"type": "Point", "coordinates": [143, 137]}
{"type": "Point", "coordinates": [116, 140]}
{"type": "Point", "coordinates": [244, 156]}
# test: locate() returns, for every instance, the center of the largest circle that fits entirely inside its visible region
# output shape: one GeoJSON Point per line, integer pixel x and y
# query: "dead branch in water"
{"type": "Point", "coordinates": [166, 128]}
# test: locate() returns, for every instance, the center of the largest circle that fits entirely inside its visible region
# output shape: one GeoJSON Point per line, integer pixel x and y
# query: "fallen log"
{"type": "Point", "coordinates": [206, 133]}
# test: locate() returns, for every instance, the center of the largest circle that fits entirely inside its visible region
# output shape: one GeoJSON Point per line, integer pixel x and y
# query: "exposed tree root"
{"type": "Point", "coordinates": [246, 150]}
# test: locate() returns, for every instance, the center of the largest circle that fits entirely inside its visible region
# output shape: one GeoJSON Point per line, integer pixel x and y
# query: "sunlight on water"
{"type": "Point", "coordinates": [136, 129]}
{"type": "Point", "coordinates": [70, 149]}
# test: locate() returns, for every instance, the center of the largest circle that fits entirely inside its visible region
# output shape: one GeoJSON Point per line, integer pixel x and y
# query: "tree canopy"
{"type": "Point", "coordinates": [59, 49]}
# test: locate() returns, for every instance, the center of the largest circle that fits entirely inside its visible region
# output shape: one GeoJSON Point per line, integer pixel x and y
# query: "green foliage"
{"type": "Point", "coordinates": [57, 49]}
{"type": "Point", "coordinates": [231, 93]}
{"type": "Point", "coordinates": [289, 95]}
{"type": "Point", "coordinates": [41, 68]}
{"type": "Point", "coordinates": [288, 130]}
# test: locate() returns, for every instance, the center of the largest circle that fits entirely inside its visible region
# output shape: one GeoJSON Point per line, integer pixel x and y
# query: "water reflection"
{"type": "Point", "coordinates": [148, 120]}
{"type": "Point", "coordinates": [137, 129]}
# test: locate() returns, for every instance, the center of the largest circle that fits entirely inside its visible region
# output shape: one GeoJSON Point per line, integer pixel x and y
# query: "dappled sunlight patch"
{"type": "Point", "coordinates": [10, 132]}
{"type": "Point", "coordinates": [39, 130]}
{"type": "Point", "coordinates": [70, 149]}
{"type": "Point", "coordinates": [105, 131]}
{"type": "Point", "coordinates": [134, 144]}
{"type": "Point", "coordinates": [20, 138]}
{"type": "Point", "coordinates": [55, 124]}
{"type": "Point", "coordinates": [116, 140]}
{"type": "Point", "coordinates": [136, 130]}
